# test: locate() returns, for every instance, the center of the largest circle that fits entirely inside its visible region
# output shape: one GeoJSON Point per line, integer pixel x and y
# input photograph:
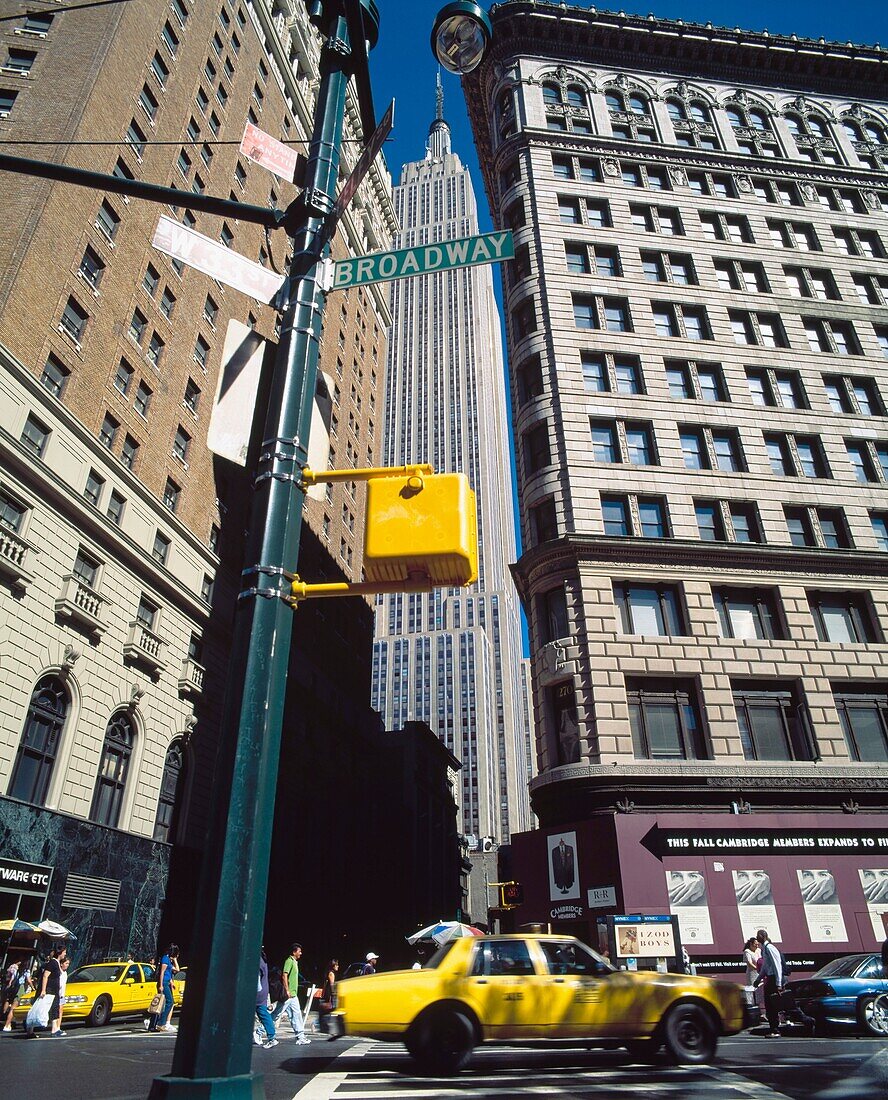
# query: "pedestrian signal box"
{"type": "Point", "coordinates": [422, 524]}
{"type": "Point", "coordinates": [511, 895]}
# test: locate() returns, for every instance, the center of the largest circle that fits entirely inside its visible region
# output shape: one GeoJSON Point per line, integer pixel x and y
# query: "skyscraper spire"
{"type": "Point", "coordinates": [438, 144]}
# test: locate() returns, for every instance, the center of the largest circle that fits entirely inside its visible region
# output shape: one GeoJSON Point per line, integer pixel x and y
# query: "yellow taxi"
{"type": "Point", "coordinates": [96, 991]}
{"type": "Point", "coordinates": [512, 988]}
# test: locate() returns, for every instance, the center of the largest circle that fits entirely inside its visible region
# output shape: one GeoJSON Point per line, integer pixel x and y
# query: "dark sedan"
{"type": "Point", "coordinates": [842, 995]}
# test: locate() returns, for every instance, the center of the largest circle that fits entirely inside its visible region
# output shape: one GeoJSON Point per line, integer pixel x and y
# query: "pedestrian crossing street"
{"type": "Point", "coordinates": [379, 1071]}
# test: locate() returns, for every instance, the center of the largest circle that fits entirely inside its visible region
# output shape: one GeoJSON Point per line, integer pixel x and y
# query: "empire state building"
{"type": "Point", "coordinates": [452, 658]}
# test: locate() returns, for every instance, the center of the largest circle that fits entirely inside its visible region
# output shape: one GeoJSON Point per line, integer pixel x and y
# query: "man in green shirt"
{"type": "Point", "coordinates": [290, 1004]}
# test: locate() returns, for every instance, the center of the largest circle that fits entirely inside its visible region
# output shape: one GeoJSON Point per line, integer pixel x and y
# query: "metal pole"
{"type": "Point", "coordinates": [214, 1046]}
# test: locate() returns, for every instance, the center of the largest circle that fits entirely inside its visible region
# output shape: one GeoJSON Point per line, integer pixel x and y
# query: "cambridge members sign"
{"type": "Point", "coordinates": [423, 259]}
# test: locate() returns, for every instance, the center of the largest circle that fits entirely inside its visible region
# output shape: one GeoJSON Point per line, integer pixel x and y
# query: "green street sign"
{"type": "Point", "coordinates": [423, 259]}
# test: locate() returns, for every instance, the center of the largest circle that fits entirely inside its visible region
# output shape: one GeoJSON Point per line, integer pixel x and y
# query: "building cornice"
{"type": "Point", "coordinates": [569, 552]}
{"type": "Point", "coordinates": [694, 49]}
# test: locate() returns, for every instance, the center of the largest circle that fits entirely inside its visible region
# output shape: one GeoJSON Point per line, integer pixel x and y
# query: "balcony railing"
{"type": "Point", "coordinates": [144, 647]}
{"type": "Point", "coordinates": [81, 604]}
{"type": "Point", "coordinates": [14, 557]}
{"type": "Point", "coordinates": [191, 679]}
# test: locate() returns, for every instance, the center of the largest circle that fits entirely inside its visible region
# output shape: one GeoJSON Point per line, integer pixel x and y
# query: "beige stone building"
{"type": "Point", "coordinates": [698, 344]}
{"type": "Point", "coordinates": [114, 608]}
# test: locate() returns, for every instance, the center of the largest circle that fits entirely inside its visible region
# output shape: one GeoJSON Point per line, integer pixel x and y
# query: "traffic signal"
{"type": "Point", "coordinates": [511, 895]}
{"type": "Point", "coordinates": [422, 524]}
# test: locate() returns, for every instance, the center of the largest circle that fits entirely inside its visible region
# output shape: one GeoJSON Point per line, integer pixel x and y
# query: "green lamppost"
{"type": "Point", "coordinates": [214, 1045]}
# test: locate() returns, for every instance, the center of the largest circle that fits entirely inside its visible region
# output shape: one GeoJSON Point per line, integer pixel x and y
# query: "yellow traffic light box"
{"type": "Point", "coordinates": [423, 524]}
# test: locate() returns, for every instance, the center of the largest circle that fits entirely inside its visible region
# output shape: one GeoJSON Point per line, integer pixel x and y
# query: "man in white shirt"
{"type": "Point", "coordinates": [772, 975]}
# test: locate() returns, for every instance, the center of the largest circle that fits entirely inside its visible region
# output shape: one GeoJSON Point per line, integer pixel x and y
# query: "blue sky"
{"type": "Point", "coordinates": [403, 68]}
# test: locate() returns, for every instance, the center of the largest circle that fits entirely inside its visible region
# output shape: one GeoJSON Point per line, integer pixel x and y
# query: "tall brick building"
{"type": "Point", "coordinates": [698, 334]}
{"type": "Point", "coordinates": [120, 533]}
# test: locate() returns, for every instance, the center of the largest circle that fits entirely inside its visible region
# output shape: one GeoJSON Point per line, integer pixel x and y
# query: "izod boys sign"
{"type": "Point", "coordinates": [644, 938]}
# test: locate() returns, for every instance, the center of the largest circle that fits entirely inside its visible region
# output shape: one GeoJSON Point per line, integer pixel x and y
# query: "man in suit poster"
{"type": "Point", "coordinates": [563, 879]}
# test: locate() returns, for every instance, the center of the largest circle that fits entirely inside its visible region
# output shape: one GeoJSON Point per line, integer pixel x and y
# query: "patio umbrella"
{"type": "Point", "coordinates": [14, 925]}
{"type": "Point", "coordinates": [55, 931]}
{"type": "Point", "coordinates": [444, 931]}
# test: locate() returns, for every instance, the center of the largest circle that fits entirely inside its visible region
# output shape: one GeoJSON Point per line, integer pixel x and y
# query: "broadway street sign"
{"type": "Point", "coordinates": [423, 259]}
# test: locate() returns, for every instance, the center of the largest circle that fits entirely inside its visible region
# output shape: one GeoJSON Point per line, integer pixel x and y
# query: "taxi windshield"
{"type": "Point", "coordinates": [438, 956]}
{"type": "Point", "coordinates": [95, 974]}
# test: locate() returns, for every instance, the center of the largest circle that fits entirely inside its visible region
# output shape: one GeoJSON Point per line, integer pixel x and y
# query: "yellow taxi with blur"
{"type": "Point", "coordinates": [95, 992]}
{"type": "Point", "coordinates": [515, 988]}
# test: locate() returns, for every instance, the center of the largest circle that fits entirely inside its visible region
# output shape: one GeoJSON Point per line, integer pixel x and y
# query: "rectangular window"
{"type": "Point", "coordinates": [181, 444]}
{"type": "Point", "coordinates": [85, 569]}
{"type": "Point", "coordinates": [146, 613]}
{"type": "Point", "coordinates": [142, 399]}
{"type": "Point", "coordinates": [171, 494]}
{"type": "Point", "coordinates": [879, 521]}
{"type": "Point", "coordinates": [161, 548]}
{"type": "Point", "coordinates": [55, 375]}
{"type": "Point", "coordinates": [772, 722]}
{"type": "Point", "coordinates": [93, 488]}
{"type": "Point", "coordinates": [649, 610]}
{"type": "Point", "coordinates": [155, 349]}
{"type": "Point", "coordinates": [640, 445]}
{"type": "Point", "coordinates": [863, 711]}
{"type": "Point", "coordinates": [129, 452]}
{"type": "Point", "coordinates": [116, 504]}
{"type": "Point", "coordinates": [123, 377]}
{"type": "Point", "coordinates": [74, 319]}
{"type": "Point", "coordinates": [844, 617]}
{"type": "Point", "coordinates": [616, 516]}
{"type": "Point", "coordinates": [160, 70]}
{"type": "Point", "coordinates": [799, 526]}
{"type": "Point", "coordinates": [192, 395]}
{"type": "Point", "coordinates": [749, 613]}
{"type": "Point", "coordinates": [552, 613]}
{"type": "Point", "coordinates": [709, 521]}
{"type": "Point", "coordinates": [664, 718]}
{"type": "Point", "coordinates": [35, 436]}
{"type": "Point", "coordinates": [605, 446]}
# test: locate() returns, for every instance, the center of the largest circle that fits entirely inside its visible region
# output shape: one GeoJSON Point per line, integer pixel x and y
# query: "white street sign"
{"type": "Point", "coordinates": [215, 260]}
{"type": "Point", "coordinates": [232, 415]}
{"type": "Point", "coordinates": [272, 154]}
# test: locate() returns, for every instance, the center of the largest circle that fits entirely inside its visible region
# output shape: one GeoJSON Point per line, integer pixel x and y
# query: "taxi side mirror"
{"type": "Point", "coordinates": [129, 981]}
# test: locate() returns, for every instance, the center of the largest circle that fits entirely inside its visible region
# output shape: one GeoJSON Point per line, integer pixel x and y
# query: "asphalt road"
{"type": "Point", "coordinates": [119, 1062]}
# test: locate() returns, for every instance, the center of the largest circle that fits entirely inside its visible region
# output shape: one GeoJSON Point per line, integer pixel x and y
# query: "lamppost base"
{"type": "Point", "coordinates": [247, 1086]}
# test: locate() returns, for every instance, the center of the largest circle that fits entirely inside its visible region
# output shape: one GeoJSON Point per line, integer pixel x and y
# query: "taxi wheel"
{"type": "Point", "coordinates": [100, 1013]}
{"type": "Point", "coordinates": [443, 1043]}
{"type": "Point", "coordinates": [689, 1035]}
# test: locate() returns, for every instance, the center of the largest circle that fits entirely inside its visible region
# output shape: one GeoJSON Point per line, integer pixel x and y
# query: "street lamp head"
{"type": "Point", "coordinates": [461, 35]}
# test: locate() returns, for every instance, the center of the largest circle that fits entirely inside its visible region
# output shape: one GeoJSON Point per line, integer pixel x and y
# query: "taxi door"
{"type": "Point", "coordinates": [507, 993]}
{"type": "Point", "coordinates": [579, 990]}
{"type": "Point", "coordinates": [129, 990]}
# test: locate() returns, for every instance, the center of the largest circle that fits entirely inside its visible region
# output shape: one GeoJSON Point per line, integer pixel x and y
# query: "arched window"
{"type": "Point", "coordinates": [39, 745]}
{"type": "Point", "coordinates": [676, 110]}
{"type": "Point", "coordinates": [699, 111]}
{"type": "Point", "coordinates": [615, 102]}
{"type": "Point", "coordinates": [794, 124]}
{"type": "Point", "coordinates": [759, 137]}
{"type": "Point", "coordinates": [113, 771]}
{"type": "Point", "coordinates": [170, 787]}
{"type": "Point", "coordinates": [817, 125]}
{"type": "Point", "coordinates": [576, 97]}
{"type": "Point", "coordinates": [551, 94]}
{"type": "Point", "coordinates": [638, 105]}
{"type": "Point", "coordinates": [853, 130]}
{"type": "Point", "coordinates": [759, 121]}
{"type": "Point", "coordinates": [875, 133]}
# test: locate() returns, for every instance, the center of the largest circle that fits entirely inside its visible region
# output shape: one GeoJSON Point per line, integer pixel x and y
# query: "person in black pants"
{"type": "Point", "coordinates": [772, 975]}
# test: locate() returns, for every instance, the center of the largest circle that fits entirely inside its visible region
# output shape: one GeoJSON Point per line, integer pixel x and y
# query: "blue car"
{"type": "Point", "coordinates": [842, 995]}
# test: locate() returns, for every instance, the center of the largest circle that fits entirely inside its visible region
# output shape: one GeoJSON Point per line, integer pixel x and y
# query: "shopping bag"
{"type": "Point", "coordinates": [157, 1002]}
{"type": "Point", "coordinates": [38, 1013]}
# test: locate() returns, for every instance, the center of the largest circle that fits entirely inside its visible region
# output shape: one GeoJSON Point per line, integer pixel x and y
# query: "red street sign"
{"type": "Point", "coordinates": [371, 151]}
{"type": "Point", "coordinates": [272, 154]}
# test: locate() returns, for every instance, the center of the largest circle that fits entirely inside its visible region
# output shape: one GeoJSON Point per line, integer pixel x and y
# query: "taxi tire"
{"type": "Point", "coordinates": [689, 1034]}
{"type": "Point", "coordinates": [442, 1043]}
{"type": "Point", "coordinates": [100, 1013]}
